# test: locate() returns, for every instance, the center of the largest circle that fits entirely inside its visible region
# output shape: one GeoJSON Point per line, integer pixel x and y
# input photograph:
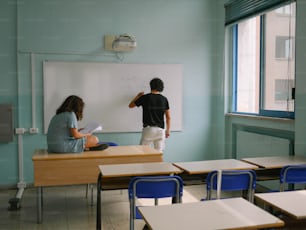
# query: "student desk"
{"type": "Point", "coordinates": [82, 168]}
{"type": "Point", "coordinates": [232, 213]}
{"type": "Point", "coordinates": [204, 167]}
{"type": "Point", "coordinates": [269, 167]}
{"type": "Point", "coordinates": [130, 170]}
{"type": "Point", "coordinates": [275, 162]}
{"type": "Point", "coordinates": [290, 202]}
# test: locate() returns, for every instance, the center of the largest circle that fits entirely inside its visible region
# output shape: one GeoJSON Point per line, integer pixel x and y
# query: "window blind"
{"type": "Point", "coordinates": [236, 10]}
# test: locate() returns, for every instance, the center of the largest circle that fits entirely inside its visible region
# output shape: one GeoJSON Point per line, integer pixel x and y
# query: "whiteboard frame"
{"type": "Point", "coordinates": [107, 89]}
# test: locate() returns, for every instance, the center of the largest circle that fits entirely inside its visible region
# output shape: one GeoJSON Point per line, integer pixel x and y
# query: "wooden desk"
{"type": "Point", "coordinates": [290, 202]}
{"type": "Point", "coordinates": [234, 213]}
{"type": "Point", "coordinates": [130, 170]}
{"type": "Point", "coordinates": [204, 167]}
{"type": "Point", "coordinates": [269, 167]}
{"type": "Point", "coordinates": [82, 168]}
{"type": "Point", "coordinates": [275, 162]}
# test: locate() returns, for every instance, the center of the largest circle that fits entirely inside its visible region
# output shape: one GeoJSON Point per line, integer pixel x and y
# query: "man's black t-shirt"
{"type": "Point", "coordinates": [154, 107]}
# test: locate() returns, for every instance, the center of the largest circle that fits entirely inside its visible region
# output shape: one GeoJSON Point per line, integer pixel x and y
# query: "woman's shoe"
{"type": "Point", "coordinates": [98, 147]}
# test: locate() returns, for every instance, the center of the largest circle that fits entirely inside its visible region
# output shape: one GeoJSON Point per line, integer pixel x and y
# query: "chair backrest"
{"type": "Point", "coordinates": [153, 187]}
{"type": "Point", "coordinates": [292, 174]}
{"type": "Point", "coordinates": [232, 180]}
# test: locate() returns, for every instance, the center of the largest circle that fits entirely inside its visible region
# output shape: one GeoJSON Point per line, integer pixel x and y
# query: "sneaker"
{"type": "Point", "coordinates": [98, 147]}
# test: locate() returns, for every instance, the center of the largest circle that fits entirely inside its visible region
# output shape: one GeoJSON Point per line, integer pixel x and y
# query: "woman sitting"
{"type": "Point", "coordinates": [63, 134]}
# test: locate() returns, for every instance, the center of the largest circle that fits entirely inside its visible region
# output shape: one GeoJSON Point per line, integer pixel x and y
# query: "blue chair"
{"type": "Point", "coordinates": [232, 180]}
{"type": "Point", "coordinates": [292, 174]}
{"type": "Point", "coordinates": [153, 187]}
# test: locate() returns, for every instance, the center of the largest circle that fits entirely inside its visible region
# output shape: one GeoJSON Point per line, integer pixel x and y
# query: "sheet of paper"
{"type": "Point", "coordinates": [92, 127]}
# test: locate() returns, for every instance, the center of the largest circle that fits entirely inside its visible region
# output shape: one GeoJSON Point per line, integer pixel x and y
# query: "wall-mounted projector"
{"type": "Point", "coordinates": [124, 43]}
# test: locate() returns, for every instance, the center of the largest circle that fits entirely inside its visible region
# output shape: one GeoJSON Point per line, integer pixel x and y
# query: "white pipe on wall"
{"type": "Point", "coordinates": [33, 90]}
{"type": "Point", "coordinates": [15, 202]}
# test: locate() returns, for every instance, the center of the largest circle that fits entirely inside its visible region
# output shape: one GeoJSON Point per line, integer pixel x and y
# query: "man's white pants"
{"type": "Point", "coordinates": [153, 136]}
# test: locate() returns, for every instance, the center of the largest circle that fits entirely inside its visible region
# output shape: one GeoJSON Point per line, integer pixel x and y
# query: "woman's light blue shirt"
{"type": "Point", "coordinates": [59, 138]}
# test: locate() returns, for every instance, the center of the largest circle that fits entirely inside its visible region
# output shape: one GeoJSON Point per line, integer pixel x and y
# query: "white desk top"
{"type": "Point", "coordinates": [198, 167]}
{"type": "Point", "coordinates": [138, 169]}
{"type": "Point", "coordinates": [276, 161]}
{"type": "Point", "coordinates": [290, 202]}
{"type": "Point", "coordinates": [234, 213]}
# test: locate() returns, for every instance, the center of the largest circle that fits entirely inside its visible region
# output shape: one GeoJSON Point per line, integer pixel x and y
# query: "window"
{"type": "Point", "coordinates": [263, 54]}
{"type": "Point", "coordinates": [282, 47]}
{"type": "Point", "coordinates": [281, 89]}
{"type": "Point", "coordinates": [285, 10]}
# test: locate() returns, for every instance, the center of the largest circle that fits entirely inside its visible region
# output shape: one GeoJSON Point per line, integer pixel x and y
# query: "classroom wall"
{"type": "Point", "coordinates": [188, 32]}
{"type": "Point", "coordinates": [300, 105]}
{"type": "Point", "coordinates": [8, 88]}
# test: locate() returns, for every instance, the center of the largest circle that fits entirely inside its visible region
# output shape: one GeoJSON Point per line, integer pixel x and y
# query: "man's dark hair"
{"type": "Point", "coordinates": [157, 84]}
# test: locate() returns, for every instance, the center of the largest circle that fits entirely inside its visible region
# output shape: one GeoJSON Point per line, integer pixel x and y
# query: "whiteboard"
{"type": "Point", "coordinates": [107, 89]}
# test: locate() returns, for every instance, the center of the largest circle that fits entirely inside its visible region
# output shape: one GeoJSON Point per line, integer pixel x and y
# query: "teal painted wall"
{"type": "Point", "coordinates": [300, 102]}
{"type": "Point", "coordinates": [189, 32]}
{"type": "Point", "coordinates": [8, 88]}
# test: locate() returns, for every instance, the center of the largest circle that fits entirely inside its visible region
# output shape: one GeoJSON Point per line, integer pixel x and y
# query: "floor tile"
{"type": "Point", "coordinates": [67, 208]}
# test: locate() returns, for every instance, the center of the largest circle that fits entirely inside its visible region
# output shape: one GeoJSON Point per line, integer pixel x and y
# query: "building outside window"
{"type": "Point", "coordinates": [264, 63]}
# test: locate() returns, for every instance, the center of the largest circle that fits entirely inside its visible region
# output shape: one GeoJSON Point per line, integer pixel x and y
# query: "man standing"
{"type": "Point", "coordinates": [155, 107]}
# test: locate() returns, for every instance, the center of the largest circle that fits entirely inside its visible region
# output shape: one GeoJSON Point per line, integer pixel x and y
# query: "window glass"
{"type": "Point", "coordinates": [248, 66]}
{"type": "Point", "coordinates": [264, 63]}
{"type": "Point", "coordinates": [279, 59]}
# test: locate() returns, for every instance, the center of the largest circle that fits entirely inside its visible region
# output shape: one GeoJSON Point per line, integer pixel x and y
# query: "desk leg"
{"type": "Point", "coordinates": [98, 227]}
{"type": "Point", "coordinates": [91, 188]}
{"type": "Point", "coordinates": [39, 205]}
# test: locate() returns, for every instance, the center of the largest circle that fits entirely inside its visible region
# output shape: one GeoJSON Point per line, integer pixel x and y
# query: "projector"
{"type": "Point", "coordinates": [124, 43]}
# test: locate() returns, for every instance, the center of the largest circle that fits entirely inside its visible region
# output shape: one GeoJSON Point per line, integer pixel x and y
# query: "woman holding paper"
{"type": "Point", "coordinates": [63, 134]}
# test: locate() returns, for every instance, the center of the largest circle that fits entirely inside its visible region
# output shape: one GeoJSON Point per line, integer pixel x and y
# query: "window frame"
{"type": "Point", "coordinates": [261, 112]}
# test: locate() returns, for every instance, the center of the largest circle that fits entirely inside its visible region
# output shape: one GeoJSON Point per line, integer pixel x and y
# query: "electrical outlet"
{"type": "Point", "coordinates": [33, 130]}
{"type": "Point", "coordinates": [20, 130]}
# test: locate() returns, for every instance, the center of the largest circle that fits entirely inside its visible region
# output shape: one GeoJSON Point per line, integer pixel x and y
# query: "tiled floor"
{"type": "Point", "coordinates": [67, 208]}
